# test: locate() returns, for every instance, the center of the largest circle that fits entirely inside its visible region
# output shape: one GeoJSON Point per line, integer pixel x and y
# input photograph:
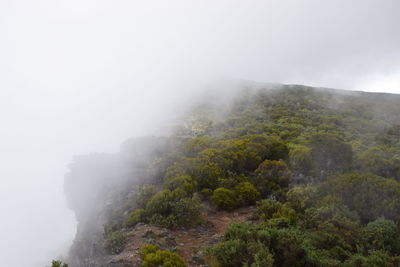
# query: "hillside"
{"type": "Point", "coordinates": [269, 175]}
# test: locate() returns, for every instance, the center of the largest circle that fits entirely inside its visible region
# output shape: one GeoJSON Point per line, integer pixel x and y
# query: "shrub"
{"type": "Point", "coordinates": [382, 234]}
{"type": "Point", "coordinates": [229, 253]}
{"type": "Point", "coordinates": [381, 161]}
{"type": "Point", "coordinates": [115, 242]}
{"type": "Point", "coordinates": [300, 159]}
{"type": "Point", "coordinates": [277, 150]}
{"type": "Point", "coordinates": [301, 197]}
{"type": "Point", "coordinates": [335, 228]}
{"type": "Point", "coordinates": [184, 182]}
{"type": "Point", "coordinates": [189, 211]}
{"type": "Point", "coordinates": [152, 256]}
{"type": "Point", "coordinates": [58, 264]}
{"type": "Point", "coordinates": [147, 249]}
{"type": "Point", "coordinates": [286, 243]}
{"type": "Point", "coordinates": [195, 145]}
{"type": "Point", "coordinates": [135, 217]}
{"type": "Point", "coordinates": [207, 173]}
{"type": "Point", "coordinates": [244, 231]}
{"type": "Point", "coordinates": [369, 195]}
{"type": "Point", "coordinates": [376, 258]}
{"type": "Point", "coordinates": [143, 194]}
{"type": "Point", "coordinates": [206, 192]}
{"type": "Point", "coordinates": [173, 209]}
{"type": "Point", "coordinates": [262, 257]}
{"type": "Point", "coordinates": [271, 209]}
{"type": "Point", "coordinates": [266, 208]}
{"type": "Point", "coordinates": [224, 198]}
{"type": "Point", "coordinates": [246, 193]}
{"type": "Point", "coordinates": [271, 177]}
{"type": "Point", "coordinates": [244, 245]}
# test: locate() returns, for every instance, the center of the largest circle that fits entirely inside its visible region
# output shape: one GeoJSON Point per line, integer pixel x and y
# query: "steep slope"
{"type": "Point", "coordinates": [321, 165]}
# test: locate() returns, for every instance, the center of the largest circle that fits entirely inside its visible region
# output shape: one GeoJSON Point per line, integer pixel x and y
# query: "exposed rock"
{"type": "Point", "coordinates": [170, 242]}
{"type": "Point", "coordinates": [149, 234]}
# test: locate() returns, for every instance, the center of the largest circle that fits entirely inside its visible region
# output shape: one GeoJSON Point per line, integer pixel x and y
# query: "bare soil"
{"type": "Point", "coordinates": [190, 244]}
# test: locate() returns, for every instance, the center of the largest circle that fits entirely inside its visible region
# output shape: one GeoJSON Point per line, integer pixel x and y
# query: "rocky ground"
{"type": "Point", "coordinates": [190, 244]}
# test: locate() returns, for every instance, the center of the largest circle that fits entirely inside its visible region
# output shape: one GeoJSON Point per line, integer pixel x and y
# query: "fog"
{"type": "Point", "coordinates": [83, 76]}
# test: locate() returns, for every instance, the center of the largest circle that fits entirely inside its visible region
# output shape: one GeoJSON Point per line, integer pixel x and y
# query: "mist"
{"type": "Point", "coordinates": [83, 76]}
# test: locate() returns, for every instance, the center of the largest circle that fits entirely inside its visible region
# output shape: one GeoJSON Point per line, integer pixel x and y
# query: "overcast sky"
{"type": "Point", "coordinates": [78, 76]}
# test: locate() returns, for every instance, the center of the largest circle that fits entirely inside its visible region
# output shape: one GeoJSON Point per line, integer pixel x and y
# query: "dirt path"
{"type": "Point", "coordinates": [189, 244]}
{"type": "Point", "coordinates": [192, 243]}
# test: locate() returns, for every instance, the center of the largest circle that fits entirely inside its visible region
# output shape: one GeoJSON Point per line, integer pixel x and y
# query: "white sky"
{"type": "Point", "coordinates": [79, 76]}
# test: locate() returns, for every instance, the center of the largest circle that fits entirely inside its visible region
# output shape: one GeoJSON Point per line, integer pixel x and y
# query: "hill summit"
{"type": "Point", "coordinates": [265, 175]}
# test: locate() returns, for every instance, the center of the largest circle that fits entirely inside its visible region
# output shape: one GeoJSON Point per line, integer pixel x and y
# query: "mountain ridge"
{"type": "Point", "coordinates": [284, 153]}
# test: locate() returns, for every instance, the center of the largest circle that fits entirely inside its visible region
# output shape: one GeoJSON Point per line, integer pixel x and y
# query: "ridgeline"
{"type": "Point", "coordinates": [278, 175]}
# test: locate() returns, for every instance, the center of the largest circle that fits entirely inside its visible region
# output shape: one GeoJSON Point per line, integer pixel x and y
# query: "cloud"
{"type": "Point", "coordinates": [82, 76]}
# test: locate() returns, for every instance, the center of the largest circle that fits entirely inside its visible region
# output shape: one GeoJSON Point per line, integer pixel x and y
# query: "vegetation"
{"type": "Point", "coordinates": [224, 198]}
{"type": "Point", "coordinates": [135, 217]}
{"type": "Point", "coordinates": [173, 209]}
{"type": "Point", "coordinates": [322, 168]}
{"type": "Point", "coordinates": [152, 256]}
{"type": "Point", "coordinates": [56, 263]}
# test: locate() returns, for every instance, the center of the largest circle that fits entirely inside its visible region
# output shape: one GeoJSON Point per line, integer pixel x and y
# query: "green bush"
{"type": "Point", "coordinates": [206, 173]}
{"type": "Point", "coordinates": [277, 150]}
{"type": "Point", "coordinates": [173, 209]}
{"type": "Point", "coordinates": [271, 177]}
{"type": "Point", "coordinates": [184, 182]}
{"type": "Point", "coordinates": [228, 253]}
{"type": "Point", "coordinates": [152, 256]}
{"type": "Point", "coordinates": [246, 193]}
{"type": "Point", "coordinates": [250, 244]}
{"type": "Point", "coordinates": [206, 192]}
{"type": "Point", "coordinates": [237, 253]}
{"type": "Point", "coordinates": [143, 194]}
{"type": "Point", "coordinates": [244, 245]}
{"type": "Point", "coordinates": [301, 197]}
{"type": "Point", "coordinates": [300, 159]}
{"type": "Point", "coordinates": [135, 217]}
{"type": "Point", "coordinates": [115, 242]}
{"type": "Point", "coordinates": [225, 199]}
{"type": "Point", "coordinates": [380, 160]}
{"type": "Point", "coordinates": [147, 249]}
{"type": "Point", "coordinates": [195, 145]}
{"type": "Point", "coordinates": [244, 231]}
{"type": "Point", "coordinates": [376, 258]}
{"type": "Point", "coordinates": [287, 245]}
{"type": "Point", "coordinates": [369, 195]}
{"type": "Point", "coordinates": [382, 234]}
{"type": "Point", "coordinates": [58, 264]}
{"type": "Point", "coordinates": [335, 227]}
{"type": "Point", "coordinates": [271, 209]}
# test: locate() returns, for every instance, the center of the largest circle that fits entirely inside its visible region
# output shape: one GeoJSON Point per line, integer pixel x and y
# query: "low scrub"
{"type": "Point", "coordinates": [152, 256]}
